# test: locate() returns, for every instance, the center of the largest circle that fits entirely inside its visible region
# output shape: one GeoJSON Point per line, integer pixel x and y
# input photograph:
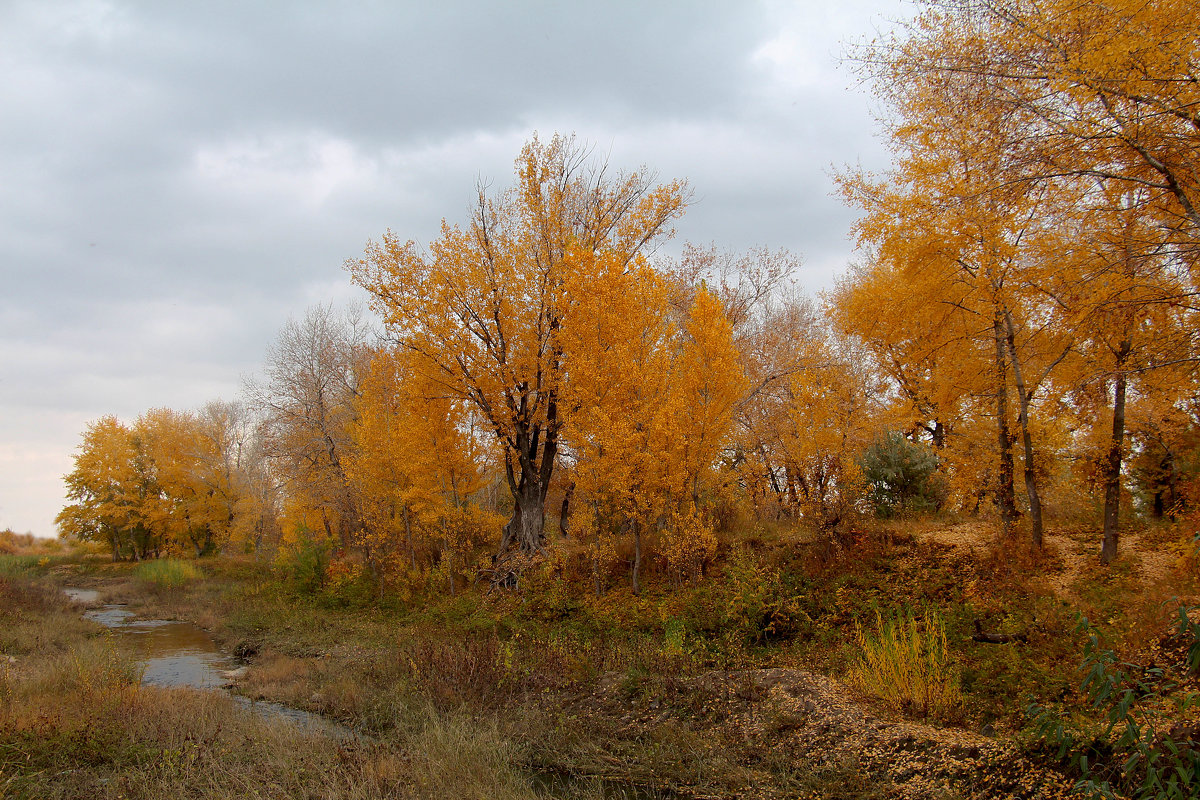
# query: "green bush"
{"type": "Point", "coordinates": [166, 573]}
{"type": "Point", "coordinates": [755, 604]}
{"type": "Point", "coordinates": [304, 563]}
{"type": "Point", "coordinates": [901, 476]}
{"type": "Point", "coordinates": [1142, 749]}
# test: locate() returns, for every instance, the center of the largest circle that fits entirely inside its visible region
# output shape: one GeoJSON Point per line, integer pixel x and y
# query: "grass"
{"type": "Point", "coordinates": [906, 663]}
{"type": "Point", "coordinates": [75, 723]}
{"type": "Point", "coordinates": [548, 691]}
{"type": "Point", "coordinates": [167, 573]}
{"type": "Point", "coordinates": [12, 566]}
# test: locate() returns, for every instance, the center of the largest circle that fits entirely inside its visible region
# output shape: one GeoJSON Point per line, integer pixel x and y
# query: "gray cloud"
{"type": "Point", "coordinates": [180, 178]}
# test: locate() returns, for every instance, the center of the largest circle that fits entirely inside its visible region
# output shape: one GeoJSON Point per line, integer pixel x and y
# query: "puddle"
{"type": "Point", "coordinates": [82, 596]}
{"type": "Point", "coordinates": [181, 654]}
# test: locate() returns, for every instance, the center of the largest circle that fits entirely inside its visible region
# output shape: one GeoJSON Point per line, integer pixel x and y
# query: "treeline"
{"type": "Point", "coordinates": [536, 358]}
{"type": "Point", "coordinates": [1025, 306]}
{"type": "Point", "coordinates": [1032, 255]}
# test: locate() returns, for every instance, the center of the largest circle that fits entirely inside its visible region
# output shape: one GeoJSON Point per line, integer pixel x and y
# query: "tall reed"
{"type": "Point", "coordinates": [168, 573]}
{"type": "Point", "coordinates": [905, 662]}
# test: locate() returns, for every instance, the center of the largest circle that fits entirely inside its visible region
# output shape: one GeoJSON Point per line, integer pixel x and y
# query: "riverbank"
{"type": "Point", "coordinates": [714, 690]}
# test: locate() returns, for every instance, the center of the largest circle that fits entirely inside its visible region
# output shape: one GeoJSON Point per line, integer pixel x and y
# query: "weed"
{"type": "Point", "coordinates": [905, 662]}
{"type": "Point", "coordinates": [167, 573]}
{"type": "Point", "coordinates": [756, 606]}
{"type": "Point", "coordinates": [305, 562]}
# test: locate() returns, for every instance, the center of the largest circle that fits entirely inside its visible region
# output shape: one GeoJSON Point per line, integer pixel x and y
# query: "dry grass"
{"type": "Point", "coordinates": [75, 723]}
{"type": "Point", "coordinates": [474, 696]}
{"type": "Point", "coordinates": [167, 573]}
{"type": "Point", "coordinates": [905, 662]}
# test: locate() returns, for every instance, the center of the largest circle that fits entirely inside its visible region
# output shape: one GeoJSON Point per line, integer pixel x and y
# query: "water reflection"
{"type": "Point", "coordinates": [174, 653]}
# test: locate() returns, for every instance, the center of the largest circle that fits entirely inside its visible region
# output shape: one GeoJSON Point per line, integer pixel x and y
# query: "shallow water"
{"type": "Point", "coordinates": [180, 654]}
{"type": "Point", "coordinates": [84, 596]}
{"type": "Point", "coordinates": [174, 654]}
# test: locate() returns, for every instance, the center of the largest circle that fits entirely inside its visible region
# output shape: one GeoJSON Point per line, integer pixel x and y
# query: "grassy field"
{"type": "Point", "coordinates": [800, 667]}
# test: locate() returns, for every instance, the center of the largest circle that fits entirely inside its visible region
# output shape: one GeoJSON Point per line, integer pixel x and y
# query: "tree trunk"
{"type": "Point", "coordinates": [564, 513]}
{"type": "Point", "coordinates": [412, 551]}
{"type": "Point", "coordinates": [939, 435]}
{"type": "Point", "coordinates": [637, 557]}
{"type": "Point", "coordinates": [596, 547]}
{"type": "Point", "coordinates": [1023, 396]}
{"type": "Point", "coordinates": [376, 573]}
{"type": "Point", "coordinates": [1005, 496]}
{"type": "Point", "coordinates": [526, 529]}
{"type": "Point", "coordinates": [1172, 490]}
{"type": "Point", "coordinates": [789, 474]}
{"type": "Point", "coordinates": [1112, 471]}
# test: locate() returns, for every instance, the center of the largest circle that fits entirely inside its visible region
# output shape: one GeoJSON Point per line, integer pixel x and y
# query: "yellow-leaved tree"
{"type": "Point", "coordinates": [106, 490]}
{"type": "Point", "coordinates": [485, 305]}
{"type": "Point", "coordinates": [165, 483]}
{"type": "Point", "coordinates": [419, 462]}
{"type": "Point", "coordinates": [649, 406]}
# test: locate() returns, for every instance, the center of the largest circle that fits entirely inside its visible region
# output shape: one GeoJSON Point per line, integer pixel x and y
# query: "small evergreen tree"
{"type": "Point", "coordinates": [900, 473]}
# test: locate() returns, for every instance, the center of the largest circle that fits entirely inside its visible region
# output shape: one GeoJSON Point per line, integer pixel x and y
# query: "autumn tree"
{"type": "Point", "coordinates": [1131, 306]}
{"type": "Point", "coordinates": [307, 400]}
{"type": "Point", "coordinates": [188, 510]}
{"type": "Point", "coordinates": [650, 405]}
{"type": "Point", "coordinates": [486, 303]}
{"type": "Point", "coordinates": [419, 462]}
{"type": "Point", "coordinates": [621, 339]}
{"type": "Point", "coordinates": [105, 489]}
{"type": "Point", "coordinates": [1033, 118]}
{"type": "Point", "coordinates": [160, 484]}
{"type": "Point", "coordinates": [244, 485]}
{"type": "Point", "coordinates": [777, 333]}
{"type": "Point", "coordinates": [1106, 91]}
{"type": "Point", "coordinates": [1165, 429]}
{"type": "Point", "coordinates": [956, 233]}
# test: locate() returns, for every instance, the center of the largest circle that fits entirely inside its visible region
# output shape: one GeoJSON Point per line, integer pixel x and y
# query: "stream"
{"type": "Point", "coordinates": [177, 654]}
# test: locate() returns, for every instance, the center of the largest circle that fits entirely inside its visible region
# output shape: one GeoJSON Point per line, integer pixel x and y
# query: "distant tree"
{"type": "Point", "coordinates": [115, 497]}
{"type": "Point", "coordinates": [307, 400]}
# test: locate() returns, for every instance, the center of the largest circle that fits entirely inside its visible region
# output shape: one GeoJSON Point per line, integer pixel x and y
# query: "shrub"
{"type": "Point", "coordinates": [166, 573]}
{"type": "Point", "coordinates": [905, 663]}
{"type": "Point", "coordinates": [1144, 748]}
{"type": "Point", "coordinates": [305, 562]}
{"type": "Point", "coordinates": [901, 476]}
{"type": "Point", "coordinates": [11, 542]}
{"type": "Point", "coordinates": [756, 605]}
{"type": "Point", "coordinates": [348, 585]}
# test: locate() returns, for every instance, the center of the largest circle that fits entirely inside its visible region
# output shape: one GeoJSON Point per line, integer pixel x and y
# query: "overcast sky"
{"type": "Point", "coordinates": [178, 178]}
